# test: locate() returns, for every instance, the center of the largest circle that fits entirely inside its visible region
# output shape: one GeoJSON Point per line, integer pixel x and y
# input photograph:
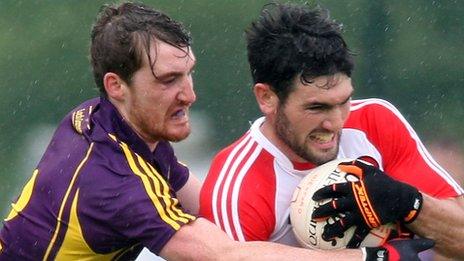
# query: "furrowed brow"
{"type": "Point", "coordinates": [348, 98]}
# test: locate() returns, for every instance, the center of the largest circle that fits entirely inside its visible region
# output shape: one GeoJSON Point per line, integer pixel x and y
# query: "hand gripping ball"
{"type": "Point", "coordinates": [309, 232]}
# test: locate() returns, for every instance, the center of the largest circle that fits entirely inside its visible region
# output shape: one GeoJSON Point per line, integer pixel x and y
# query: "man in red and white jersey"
{"type": "Point", "coordinates": [301, 69]}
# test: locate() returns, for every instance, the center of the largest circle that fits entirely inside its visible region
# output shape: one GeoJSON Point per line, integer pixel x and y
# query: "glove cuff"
{"type": "Point", "coordinates": [374, 254]}
{"type": "Point", "coordinates": [415, 208]}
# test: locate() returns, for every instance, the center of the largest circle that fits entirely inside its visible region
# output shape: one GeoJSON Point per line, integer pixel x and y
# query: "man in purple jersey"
{"type": "Point", "coordinates": [109, 183]}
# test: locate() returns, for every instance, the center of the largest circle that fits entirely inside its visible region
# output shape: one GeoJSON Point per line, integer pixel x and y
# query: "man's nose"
{"type": "Point", "coordinates": [335, 119]}
{"type": "Point", "coordinates": [187, 93]}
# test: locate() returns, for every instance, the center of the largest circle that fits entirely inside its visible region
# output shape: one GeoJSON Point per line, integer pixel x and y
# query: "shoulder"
{"type": "Point", "coordinates": [373, 113]}
{"type": "Point", "coordinates": [244, 169]}
{"type": "Point", "coordinates": [107, 171]}
{"type": "Point", "coordinates": [238, 193]}
{"type": "Point", "coordinates": [79, 117]}
{"type": "Point", "coordinates": [232, 148]}
{"type": "Point", "coordinates": [245, 155]}
{"type": "Point", "coordinates": [373, 106]}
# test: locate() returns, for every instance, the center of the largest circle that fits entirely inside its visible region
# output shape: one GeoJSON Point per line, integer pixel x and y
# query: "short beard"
{"type": "Point", "coordinates": [149, 132]}
{"type": "Point", "coordinates": [285, 132]}
{"type": "Point", "coordinates": [177, 138]}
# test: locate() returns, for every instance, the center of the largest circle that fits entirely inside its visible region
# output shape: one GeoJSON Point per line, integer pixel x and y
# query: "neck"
{"type": "Point", "coordinates": [148, 141]}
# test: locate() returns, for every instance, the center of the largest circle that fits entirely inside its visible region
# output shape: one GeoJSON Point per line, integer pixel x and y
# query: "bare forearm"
{"type": "Point", "coordinates": [443, 221]}
{"type": "Point", "coordinates": [202, 240]}
{"type": "Point", "coordinates": [272, 251]}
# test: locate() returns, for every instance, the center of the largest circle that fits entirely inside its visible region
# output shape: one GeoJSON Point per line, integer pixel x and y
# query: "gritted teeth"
{"type": "Point", "coordinates": [322, 137]}
{"type": "Point", "coordinates": [179, 113]}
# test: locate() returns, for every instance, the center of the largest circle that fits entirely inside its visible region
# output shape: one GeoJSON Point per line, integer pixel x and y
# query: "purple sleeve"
{"type": "Point", "coordinates": [176, 173]}
{"type": "Point", "coordinates": [149, 213]}
{"type": "Point", "coordinates": [180, 174]}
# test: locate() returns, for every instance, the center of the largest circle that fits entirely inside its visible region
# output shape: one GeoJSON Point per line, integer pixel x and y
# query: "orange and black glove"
{"type": "Point", "coordinates": [396, 250]}
{"type": "Point", "coordinates": [374, 200]}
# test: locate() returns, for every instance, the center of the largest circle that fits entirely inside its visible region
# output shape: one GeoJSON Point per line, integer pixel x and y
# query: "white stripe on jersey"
{"type": "Point", "coordinates": [221, 177]}
{"type": "Point", "coordinates": [420, 147]}
{"type": "Point", "coordinates": [225, 188]}
{"type": "Point", "coordinates": [236, 189]}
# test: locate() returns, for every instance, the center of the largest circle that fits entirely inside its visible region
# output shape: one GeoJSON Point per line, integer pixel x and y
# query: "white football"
{"type": "Point", "coordinates": [309, 232]}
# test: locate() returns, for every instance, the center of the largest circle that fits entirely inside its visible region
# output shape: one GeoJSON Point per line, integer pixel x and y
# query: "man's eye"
{"type": "Point", "coordinates": [170, 80]}
{"type": "Point", "coordinates": [347, 101]}
{"type": "Point", "coordinates": [315, 107]}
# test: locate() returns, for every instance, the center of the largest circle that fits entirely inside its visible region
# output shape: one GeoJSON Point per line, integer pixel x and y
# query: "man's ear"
{"type": "Point", "coordinates": [266, 98]}
{"type": "Point", "coordinates": [114, 86]}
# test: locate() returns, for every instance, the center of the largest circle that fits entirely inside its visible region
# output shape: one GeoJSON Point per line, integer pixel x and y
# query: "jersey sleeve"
{"type": "Point", "coordinates": [404, 156]}
{"type": "Point", "coordinates": [175, 172]}
{"type": "Point", "coordinates": [147, 210]}
{"type": "Point", "coordinates": [257, 205]}
{"type": "Point", "coordinates": [179, 174]}
{"type": "Point", "coordinates": [240, 198]}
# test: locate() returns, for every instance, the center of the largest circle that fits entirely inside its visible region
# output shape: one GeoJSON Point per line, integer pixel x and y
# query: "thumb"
{"type": "Point", "coordinates": [422, 244]}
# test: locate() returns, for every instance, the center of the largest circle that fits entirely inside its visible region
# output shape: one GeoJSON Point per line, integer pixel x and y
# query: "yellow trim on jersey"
{"type": "Point", "coordinates": [74, 246]}
{"type": "Point", "coordinates": [112, 137]}
{"type": "Point", "coordinates": [125, 251]}
{"type": "Point", "coordinates": [160, 192]}
{"type": "Point", "coordinates": [159, 182]}
{"type": "Point", "coordinates": [146, 183]}
{"type": "Point", "coordinates": [156, 174]}
{"type": "Point", "coordinates": [24, 198]}
{"type": "Point", "coordinates": [65, 199]}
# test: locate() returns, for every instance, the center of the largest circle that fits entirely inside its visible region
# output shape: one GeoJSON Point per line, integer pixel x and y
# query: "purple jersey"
{"type": "Point", "coordinates": [97, 193]}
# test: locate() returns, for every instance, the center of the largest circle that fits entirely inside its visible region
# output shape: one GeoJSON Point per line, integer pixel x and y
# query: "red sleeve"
{"type": "Point", "coordinates": [404, 156]}
{"type": "Point", "coordinates": [241, 199]}
{"type": "Point", "coordinates": [257, 201]}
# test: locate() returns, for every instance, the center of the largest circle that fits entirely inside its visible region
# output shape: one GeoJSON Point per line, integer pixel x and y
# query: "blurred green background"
{"type": "Point", "coordinates": [408, 52]}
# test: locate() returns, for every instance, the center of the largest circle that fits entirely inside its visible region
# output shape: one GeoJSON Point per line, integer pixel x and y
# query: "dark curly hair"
{"type": "Point", "coordinates": [289, 41]}
{"type": "Point", "coordinates": [123, 33]}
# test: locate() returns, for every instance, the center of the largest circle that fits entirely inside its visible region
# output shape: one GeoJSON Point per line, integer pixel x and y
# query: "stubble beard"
{"type": "Point", "coordinates": [285, 132]}
{"type": "Point", "coordinates": [158, 131]}
{"type": "Point", "coordinates": [152, 131]}
{"type": "Point", "coordinates": [178, 138]}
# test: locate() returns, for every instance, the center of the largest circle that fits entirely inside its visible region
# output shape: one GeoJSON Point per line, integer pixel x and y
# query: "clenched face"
{"type": "Point", "coordinates": [310, 121]}
{"type": "Point", "coordinates": [157, 108]}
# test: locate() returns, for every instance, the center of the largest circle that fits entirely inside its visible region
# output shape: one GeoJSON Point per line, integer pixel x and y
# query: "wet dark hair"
{"type": "Point", "coordinates": [122, 34]}
{"type": "Point", "coordinates": [289, 41]}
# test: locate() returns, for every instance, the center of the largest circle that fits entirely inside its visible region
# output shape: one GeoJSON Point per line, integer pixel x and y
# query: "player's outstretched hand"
{"type": "Point", "coordinates": [374, 200]}
{"type": "Point", "coordinates": [396, 250]}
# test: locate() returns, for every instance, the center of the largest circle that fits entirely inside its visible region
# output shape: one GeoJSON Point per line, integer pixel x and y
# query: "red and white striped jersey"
{"type": "Point", "coordinates": [250, 183]}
